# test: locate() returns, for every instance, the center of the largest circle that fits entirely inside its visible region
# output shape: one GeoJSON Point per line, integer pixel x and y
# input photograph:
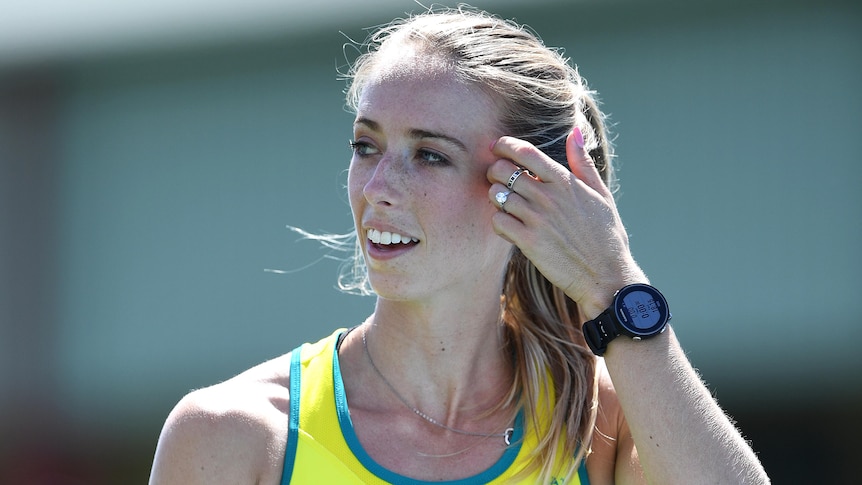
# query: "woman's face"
{"type": "Point", "coordinates": [418, 185]}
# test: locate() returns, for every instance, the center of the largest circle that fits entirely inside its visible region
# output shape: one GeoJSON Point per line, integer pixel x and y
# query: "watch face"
{"type": "Point", "coordinates": [642, 310]}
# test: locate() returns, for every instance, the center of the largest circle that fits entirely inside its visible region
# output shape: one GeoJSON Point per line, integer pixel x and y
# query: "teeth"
{"type": "Point", "coordinates": [385, 237]}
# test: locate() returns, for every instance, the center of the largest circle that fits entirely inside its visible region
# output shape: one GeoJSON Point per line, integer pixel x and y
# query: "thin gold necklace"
{"type": "Point", "coordinates": [506, 435]}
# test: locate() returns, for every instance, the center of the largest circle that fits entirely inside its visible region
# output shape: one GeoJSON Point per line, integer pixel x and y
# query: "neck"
{"type": "Point", "coordinates": [449, 364]}
{"type": "Point", "coordinates": [506, 435]}
{"type": "Point", "coordinates": [445, 337]}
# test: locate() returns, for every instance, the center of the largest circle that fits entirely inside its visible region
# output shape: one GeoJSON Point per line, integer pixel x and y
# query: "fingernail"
{"type": "Point", "coordinates": [579, 137]}
{"type": "Point", "coordinates": [493, 144]}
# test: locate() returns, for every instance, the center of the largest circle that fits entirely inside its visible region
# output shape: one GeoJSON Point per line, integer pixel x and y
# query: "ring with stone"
{"type": "Point", "coordinates": [501, 198]}
{"type": "Point", "coordinates": [514, 177]}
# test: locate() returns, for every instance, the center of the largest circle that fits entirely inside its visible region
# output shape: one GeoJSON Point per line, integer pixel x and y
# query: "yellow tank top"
{"type": "Point", "coordinates": [322, 446]}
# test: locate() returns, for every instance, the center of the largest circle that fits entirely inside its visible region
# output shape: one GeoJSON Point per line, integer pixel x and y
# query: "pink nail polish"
{"type": "Point", "coordinates": [579, 137]}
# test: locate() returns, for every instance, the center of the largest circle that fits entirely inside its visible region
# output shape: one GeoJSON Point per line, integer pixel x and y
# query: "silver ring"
{"type": "Point", "coordinates": [514, 177]}
{"type": "Point", "coordinates": [501, 198]}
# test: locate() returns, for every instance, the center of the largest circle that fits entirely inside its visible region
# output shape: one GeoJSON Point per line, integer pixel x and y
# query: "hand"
{"type": "Point", "coordinates": [565, 222]}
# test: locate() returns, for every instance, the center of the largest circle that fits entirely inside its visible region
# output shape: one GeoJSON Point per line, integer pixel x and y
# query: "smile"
{"type": "Point", "coordinates": [386, 238]}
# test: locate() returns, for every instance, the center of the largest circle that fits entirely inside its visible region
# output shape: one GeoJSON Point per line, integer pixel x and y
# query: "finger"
{"type": "Point", "coordinates": [506, 200]}
{"type": "Point", "coordinates": [580, 162]}
{"type": "Point", "coordinates": [515, 178]}
{"type": "Point", "coordinates": [526, 155]}
{"type": "Point", "coordinates": [506, 226]}
{"type": "Point", "coordinates": [500, 171]}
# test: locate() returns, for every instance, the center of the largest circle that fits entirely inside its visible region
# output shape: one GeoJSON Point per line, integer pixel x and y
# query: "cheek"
{"type": "Point", "coordinates": [479, 194]}
{"type": "Point", "coordinates": [356, 181]}
{"type": "Point", "coordinates": [472, 209]}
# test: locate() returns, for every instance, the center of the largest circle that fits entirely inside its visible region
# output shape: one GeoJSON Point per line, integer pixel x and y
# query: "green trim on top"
{"type": "Point", "coordinates": [582, 473]}
{"type": "Point", "coordinates": [293, 420]}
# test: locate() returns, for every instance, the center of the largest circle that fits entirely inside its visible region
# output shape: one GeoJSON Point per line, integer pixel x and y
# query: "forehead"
{"type": "Point", "coordinates": [424, 87]}
{"type": "Point", "coordinates": [400, 58]}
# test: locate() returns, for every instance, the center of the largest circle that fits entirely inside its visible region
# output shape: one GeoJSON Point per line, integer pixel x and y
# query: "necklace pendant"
{"type": "Point", "coordinates": [507, 436]}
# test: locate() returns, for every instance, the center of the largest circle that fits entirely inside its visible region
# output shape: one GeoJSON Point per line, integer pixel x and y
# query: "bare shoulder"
{"type": "Point", "coordinates": [233, 432]}
{"type": "Point", "coordinates": [612, 447]}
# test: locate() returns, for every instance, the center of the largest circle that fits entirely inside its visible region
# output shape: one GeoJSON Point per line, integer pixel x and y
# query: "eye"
{"type": "Point", "coordinates": [430, 157]}
{"type": "Point", "coordinates": [362, 148]}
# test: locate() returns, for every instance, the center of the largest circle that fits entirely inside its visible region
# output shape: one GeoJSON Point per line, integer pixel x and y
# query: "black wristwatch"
{"type": "Point", "coordinates": [638, 311]}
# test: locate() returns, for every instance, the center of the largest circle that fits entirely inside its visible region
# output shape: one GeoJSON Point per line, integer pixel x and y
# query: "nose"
{"type": "Point", "coordinates": [387, 177]}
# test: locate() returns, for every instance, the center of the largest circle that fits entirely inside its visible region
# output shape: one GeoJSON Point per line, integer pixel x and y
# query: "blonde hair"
{"type": "Point", "coordinates": [542, 97]}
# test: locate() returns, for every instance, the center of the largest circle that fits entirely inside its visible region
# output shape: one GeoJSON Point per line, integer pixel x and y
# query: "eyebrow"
{"type": "Point", "coordinates": [414, 133]}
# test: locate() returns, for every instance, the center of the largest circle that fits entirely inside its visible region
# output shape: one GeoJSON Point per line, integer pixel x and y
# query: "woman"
{"type": "Point", "coordinates": [479, 186]}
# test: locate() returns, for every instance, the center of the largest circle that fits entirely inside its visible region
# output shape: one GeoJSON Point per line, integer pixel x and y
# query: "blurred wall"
{"type": "Point", "coordinates": [146, 195]}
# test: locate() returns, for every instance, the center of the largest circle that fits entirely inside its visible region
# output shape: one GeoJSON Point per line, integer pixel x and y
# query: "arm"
{"type": "Point", "coordinates": [567, 224]}
{"type": "Point", "coordinates": [682, 435]}
{"type": "Point", "coordinates": [613, 455]}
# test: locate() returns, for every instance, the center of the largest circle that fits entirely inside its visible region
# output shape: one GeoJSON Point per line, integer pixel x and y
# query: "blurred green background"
{"type": "Point", "coordinates": [153, 153]}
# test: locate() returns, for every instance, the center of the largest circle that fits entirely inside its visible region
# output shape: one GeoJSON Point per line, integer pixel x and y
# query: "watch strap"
{"type": "Point", "coordinates": [599, 331]}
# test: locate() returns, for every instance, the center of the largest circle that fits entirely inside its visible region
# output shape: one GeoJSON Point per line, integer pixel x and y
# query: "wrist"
{"type": "Point", "coordinates": [602, 296]}
{"type": "Point", "coordinates": [589, 311]}
{"type": "Point", "coordinates": [637, 311]}
{"type": "Point", "coordinates": [628, 346]}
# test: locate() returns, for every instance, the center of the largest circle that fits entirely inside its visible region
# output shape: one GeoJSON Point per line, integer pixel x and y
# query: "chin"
{"type": "Point", "coordinates": [394, 289]}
